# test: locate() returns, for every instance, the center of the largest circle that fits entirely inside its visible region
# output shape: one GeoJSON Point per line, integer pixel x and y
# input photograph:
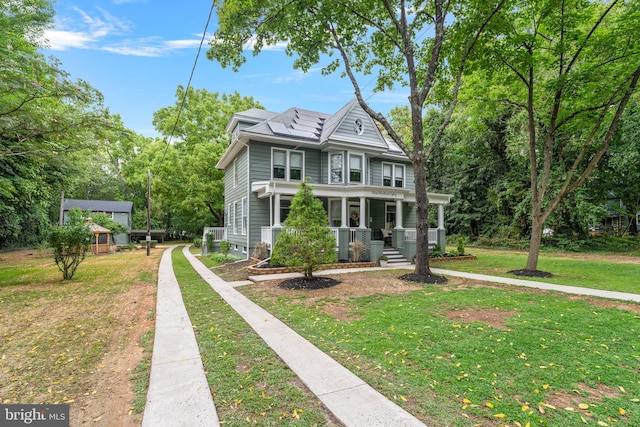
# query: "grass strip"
{"type": "Point", "coordinates": [250, 384]}
{"type": "Point", "coordinates": [555, 360]}
{"type": "Point", "coordinates": [589, 272]}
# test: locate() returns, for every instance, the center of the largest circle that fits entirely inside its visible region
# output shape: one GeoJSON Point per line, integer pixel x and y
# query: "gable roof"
{"type": "Point", "coordinates": [301, 127]}
{"type": "Point", "coordinates": [98, 205]}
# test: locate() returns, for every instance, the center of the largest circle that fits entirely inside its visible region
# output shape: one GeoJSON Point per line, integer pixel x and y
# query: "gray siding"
{"type": "Point", "coordinates": [234, 193]}
{"type": "Point", "coordinates": [370, 135]}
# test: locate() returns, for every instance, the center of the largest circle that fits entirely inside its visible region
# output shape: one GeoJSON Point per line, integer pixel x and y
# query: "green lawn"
{"type": "Point", "coordinates": [250, 384]}
{"type": "Point", "coordinates": [589, 272]}
{"type": "Point", "coordinates": [553, 356]}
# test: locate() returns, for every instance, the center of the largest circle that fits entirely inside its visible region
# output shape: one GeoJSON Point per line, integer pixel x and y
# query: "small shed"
{"type": "Point", "coordinates": [100, 239]}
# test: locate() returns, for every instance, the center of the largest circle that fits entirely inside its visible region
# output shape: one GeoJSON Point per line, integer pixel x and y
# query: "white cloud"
{"type": "Point", "coordinates": [62, 40]}
{"type": "Point", "coordinates": [103, 31]}
{"type": "Point", "coordinates": [296, 76]}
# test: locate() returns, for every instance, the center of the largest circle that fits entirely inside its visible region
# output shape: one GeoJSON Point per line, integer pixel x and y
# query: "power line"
{"type": "Point", "coordinates": [193, 69]}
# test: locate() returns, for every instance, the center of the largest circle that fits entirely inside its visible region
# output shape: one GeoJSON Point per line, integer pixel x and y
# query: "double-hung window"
{"type": "Point", "coordinates": [355, 168]}
{"type": "Point", "coordinates": [287, 164]}
{"type": "Point", "coordinates": [279, 164]}
{"type": "Point", "coordinates": [392, 175]}
{"type": "Point", "coordinates": [295, 166]}
{"type": "Point", "coordinates": [399, 176]}
{"type": "Point", "coordinates": [335, 172]}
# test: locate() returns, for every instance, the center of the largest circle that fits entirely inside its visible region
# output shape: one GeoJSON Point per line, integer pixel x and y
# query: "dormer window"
{"type": "Point", "coordinates": [287, 164]}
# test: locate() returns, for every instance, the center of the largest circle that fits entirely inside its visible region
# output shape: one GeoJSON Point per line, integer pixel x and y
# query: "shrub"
{"type": "Point", "coordinates": [261, 251]}
{"type": "Point", "coordinates": [356, 248]}
{"type": "Point", "coordinates": [460, 245]}
{"type": "Point", "coordinates": [70, 243]}
{"type": "Point", "coordinates": [210, 240]}
{"type": "Point", "coordinates": [197, 242]}
{"type": "Point", "coordinates": [306, 241]}
{"type": "Point", "coordinates": [225, 247]}
{"type": "Point", "coordinates": [436, 252]}
{"type": "Point", "coordinates": [220, 258]}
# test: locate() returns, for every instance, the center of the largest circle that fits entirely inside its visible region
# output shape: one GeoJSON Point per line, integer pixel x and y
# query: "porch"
{"type": "Point", "coordinates": [403, 240]}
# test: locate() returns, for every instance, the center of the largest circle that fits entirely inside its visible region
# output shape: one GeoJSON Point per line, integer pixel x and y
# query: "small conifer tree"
{"type": "Point", "coordinates": [307, 240]}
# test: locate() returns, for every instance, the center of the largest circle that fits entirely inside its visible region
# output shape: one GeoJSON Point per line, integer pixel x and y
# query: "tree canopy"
{"type": "Point", "coordinates": [568, 68]}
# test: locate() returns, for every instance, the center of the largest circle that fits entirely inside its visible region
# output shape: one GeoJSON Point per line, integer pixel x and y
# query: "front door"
{"type": "Point", "coordinates": [354, 215]}
{"type": "Point", "coordinates": [390, 215]}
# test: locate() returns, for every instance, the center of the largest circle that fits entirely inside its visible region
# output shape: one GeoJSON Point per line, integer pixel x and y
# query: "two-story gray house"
{"type": "Point", "coordinates": [364, 181]}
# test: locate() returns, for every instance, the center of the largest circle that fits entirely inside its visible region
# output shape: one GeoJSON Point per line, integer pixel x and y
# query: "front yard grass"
{"type": "Point", "coordinates": [74, 341]}
{"type": "Point", "coordinates": [612, 273]}
{"type": "Point", "coordinates": [250, 384]}
{"type": "Point", "coordinates": [550, 359]}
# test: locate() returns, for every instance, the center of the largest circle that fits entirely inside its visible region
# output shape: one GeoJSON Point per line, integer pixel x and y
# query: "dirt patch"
{"type": "Point", "coordinates": [490, 316]}
{"type": "Point", "coordinates": [100, 327]}
{"type": "Point", "coordinates": [110, 405]}
{"type": "Point", "coordinates": [587, 396]}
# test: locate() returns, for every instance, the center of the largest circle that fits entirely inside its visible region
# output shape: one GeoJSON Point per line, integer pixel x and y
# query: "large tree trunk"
{"type": "Point", "coordinates": [422, 220]}
{"type": "Point", "coordinates": [536, 239]}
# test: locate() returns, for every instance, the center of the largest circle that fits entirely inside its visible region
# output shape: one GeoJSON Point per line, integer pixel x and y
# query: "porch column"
{"type": "Point", "coordinates": [362, 213]}
{"type": "Point", "coordinates": [276, 210]}
{"type": "Point", "coordinates": [441, 217]}
{"type": "Point", "coordinates": [343, 220]}
{"type": "Point", "coordinates": [399, 214]}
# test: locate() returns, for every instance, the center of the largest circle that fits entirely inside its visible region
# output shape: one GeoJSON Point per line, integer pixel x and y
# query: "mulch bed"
{"type": "Point", "coordinates": [298, 283]}
{"type": "Point", "coordinates": [531, 273]}
{"type": "Point", "coordinates": [423, 278]}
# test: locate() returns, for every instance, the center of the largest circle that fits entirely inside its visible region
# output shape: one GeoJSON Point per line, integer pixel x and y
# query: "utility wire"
{"type": "Point", "coordinates": [193, 69]}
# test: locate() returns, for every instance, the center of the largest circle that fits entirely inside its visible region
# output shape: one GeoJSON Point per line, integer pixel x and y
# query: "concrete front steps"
{"type": "Point", "coordinates": [395, 257]}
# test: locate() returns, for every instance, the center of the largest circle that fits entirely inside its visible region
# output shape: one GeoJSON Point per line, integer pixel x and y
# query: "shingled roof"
{"type": "Point", "coordinates": [98, 205]}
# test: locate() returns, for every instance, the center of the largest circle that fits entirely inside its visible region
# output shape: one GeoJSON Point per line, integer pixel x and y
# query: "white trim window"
{"type": "Point", "coordinates": [244, 216]}
{"type": "Point", "coordinates": [335, 168]}
{"type": "Point", "coordinates": [393, 175]}
{"type": "Point", "coordinates": [287, 164]}
{"type": "Point", "coordinates": [356, 162]}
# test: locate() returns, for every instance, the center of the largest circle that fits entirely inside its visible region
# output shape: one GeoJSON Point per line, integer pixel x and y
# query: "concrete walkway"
{"type": "Point", "coordinates": [346, 396]}
{"type": "Point", "coordinates": [178, 391]}
{"type": "Point", "coordinates": [623, 296]}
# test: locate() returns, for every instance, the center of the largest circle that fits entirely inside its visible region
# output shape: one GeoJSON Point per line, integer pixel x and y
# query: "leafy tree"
{"type": "Point", "coordinates": [191, 186]}
{"type": "Point", "coordinates": [306, 240]}
{"type": "Point", "coordinates": [45, 117]}
{"type": "Point", "coordinates": [569, 68]}
{"type": "Point", "coordinates": [423, 46]}
{"type": "Point", "coordinates": [70, 243]}
{"type": "Point", "coordinates": [107, 222]}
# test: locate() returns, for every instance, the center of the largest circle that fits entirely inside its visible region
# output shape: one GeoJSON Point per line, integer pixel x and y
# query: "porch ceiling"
{"type": "Point", "coordinates": [268, 188]}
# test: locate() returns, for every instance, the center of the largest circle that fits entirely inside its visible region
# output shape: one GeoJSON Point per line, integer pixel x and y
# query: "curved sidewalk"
{"type": "Point", "coordinates": [347, 397]}
{"type": "Point", "coordinates": [178, 393]}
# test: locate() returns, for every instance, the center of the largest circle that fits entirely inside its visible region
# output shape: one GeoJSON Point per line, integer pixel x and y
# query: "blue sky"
{"type": "Point", "coordinates": [137, 52]}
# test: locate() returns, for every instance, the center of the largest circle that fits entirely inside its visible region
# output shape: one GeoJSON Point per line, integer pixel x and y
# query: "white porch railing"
{"type": "Point", "coordinates": [410, 235]}
{"type": "Point", "coordinates": [219, 233]}
{"type": "Point", "coordinates": [266, 234]}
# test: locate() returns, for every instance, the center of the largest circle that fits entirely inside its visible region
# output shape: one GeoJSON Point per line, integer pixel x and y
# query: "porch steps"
{"type": "Point", "coordinates": [394, 256]}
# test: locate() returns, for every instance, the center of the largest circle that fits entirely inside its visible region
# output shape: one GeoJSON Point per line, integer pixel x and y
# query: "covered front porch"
{"type": "Point", "coordinates": [379, 217]}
